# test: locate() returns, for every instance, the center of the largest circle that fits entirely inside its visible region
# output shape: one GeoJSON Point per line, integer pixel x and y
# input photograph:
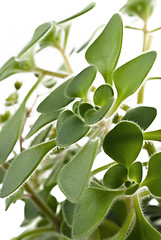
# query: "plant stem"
{"type": "Point", "coordinates": [100, 169]}
{"type": "Point", "coordinates": [43, 207]}
{"type": "Point", "coordinates": [149, 146]}
{"type": "Point", "coordinates": [50, 73]}
{"type": "Point", "coordinates": [66, 60]}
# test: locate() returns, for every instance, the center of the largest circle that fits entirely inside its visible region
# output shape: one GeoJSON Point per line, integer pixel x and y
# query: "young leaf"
{"type": "Point", "coordinates": [94, 116]}
{"type": "Point", "coordinates": [86, 9]}
{"type": "Point", "coordinates": [13, 198]}
{"type": "Point", "coordinates": [41, 136]}
{"type": "Point", "coordinates": [84, 108]}
{"type": "Point", "coordinates": [102, 94]}
{"type": "Point", "coordinates": [142, 229]}
{"type": "Point", "coordinates": [90, 210]}
{"type": "Point", "coordinates": [10, 132]}
{"type": "Point", "coordinates": [23, 166]}
{"type": "Point", "coordinates": [74, 177]}
{"type": "Point", "coordinates": [153, 178]}
{"type": "Point", "coordinates": [105, 50]}
{"type": "Point", "coordinates": [153, 135]}
{"type": "Point", "coordinates": [71, 131]}
{"type": "Point", "coordinates": [68, 212]}
{"type": "Point", "coordinates": [123, 143]}
{"type": "Point", "coordinates": [136, 172]}
{"type": "Point", "coordinates": [130, 76]}
{"type": "Point", "coordinates": [108, 228]}
{"type": "Point", "coordinates": [143, 116]}
{"type": "Point", "coordinates": [115, 176]}
{"type": "Point", "coordinates": [62, 118]}
{"type": "Point", "coordinates": [42, 120]}
{"type": "Point", "coordinates": [79, 85]}
{"type": "Point", "coordinates": [56, 100]}
{"type": "Point", "coordinates": [132, 189]}
{"type": "Point", "coordinates": [38, 34]}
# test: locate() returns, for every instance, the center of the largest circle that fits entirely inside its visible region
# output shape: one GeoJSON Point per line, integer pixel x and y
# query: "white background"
{"type": "Point", "coordinates": [19, 19]}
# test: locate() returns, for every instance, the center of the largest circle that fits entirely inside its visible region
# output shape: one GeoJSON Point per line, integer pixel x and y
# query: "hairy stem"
{"type": "Point", "coordinates": [50, 73]}
{"type": "Point", "coordinates": [66, 60]}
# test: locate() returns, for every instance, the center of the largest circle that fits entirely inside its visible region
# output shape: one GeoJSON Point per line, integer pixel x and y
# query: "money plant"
{"type": "Point", "coordinates": [84, 114]}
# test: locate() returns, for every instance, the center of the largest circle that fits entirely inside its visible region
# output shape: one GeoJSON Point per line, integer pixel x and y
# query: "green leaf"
{"type": "Point", "coordinates": [132, 189]}
{"type": "Point", "coordinates": [153, 135]}
{"type": "Point", "coordinates": [79, 85]}
{"type": "Point", "coordinates": [66, 30]}
{"type": "Point", "coordinates": [56, 99]}
{"type": "Point", "coordinates": [71, 131]}
{"type": "Point", "coordinates": [142, 229]}
{"type": "Point", "coordinates": [136, 172]}
{"type": "Point", "coordinates": [86, 9]}
{"type": "Point", "coordinates": [105, 50]}
{"type": "Point", "coordinates": [68, 212]}
{"type": "Point", "coordinates": [13, 198]}
{"type": "Point", "coordinates": [130, 76]}
{"type": "Point", "coordinates": [115, 176]}
{"type": "Point", "coordinates": [102, 94]}
{"type": "Point", "coordinates": [2, 174]}
{"type": "Point", "coordinates": [49, 83]}
{"type": "Point", "coordinates": [63, 116]}
{"type": "Point", "coordinates": [66, 230]}
{"type": "Point", "coordinates": [94, 116]}
{"type": "Point", "coordinates": [153, 178]}
{"type": "Point", "coordinates": [23, 166]}
{"type": "Point", "coordinates": [90, 210]}
{"type": "Point", "coordinates": [42, 120]}
{"type": "Point", "coordinates": [41, 136]}
{"type": "Point", "coordinates": [38, 34]}
{"type": "Point", "coordinates": [143, 116]}
{"type": "Point", "coordinates": [108, 228]}
{"type": "Point", "coordinates": [84, 108]}
{"type": "Point", "coordinates": [10, 132]}
{"type": "Point", "coordinates": [74, 177]}
{"type": "Point", "coordinates": [12, 99]}
{"type": "Point", "coordinates": [123, 143]}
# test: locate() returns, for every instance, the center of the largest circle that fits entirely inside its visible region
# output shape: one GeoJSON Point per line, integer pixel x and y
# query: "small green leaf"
{"type": "Point", "coordinates": [130, 76]}
{"type": "Point", "coordinates": [136, 172]}
{"type": "Point", "coordinates": [79, 85]}
{"type": "Point", "coordinates": [84, 108]}
{"type": "Point", "coordinates": [13, 198]}
{"type": "Point", "coordinates": [86, 9]}
{"type": "Point", "coordinates": [49, 83]}
{"type": "Point", "coordinates": [123, 143]}
{"type": "Point", "coordinates": [115, 176]}
{"type": "Point", "coordinates": [74, 177]}
{"type": "Point", "coordinates": [105, 50]}
{"type": "Point", "coordinates": [38, 34]}
{"type": "Point", "coordinates": [90, 210]}
{"type": "Point", "coordinates": [68, 212]}
{"type": "Point", "coordinates": [143, 116]}
{"type": "Point", "coordinates": [71, 131]}
{"type": "Point", "coordinates": [23, 166]}
{"type": "Point", "coordinates": [56, 100]}
{"type": "Point", "coordinates": [108, 228]}
{"type": "Point", "coordinates": [10, 132]}
{"type": "Point", "coordinates": [153, 135]}
{"type": "Point", "coordinates": [103, 94]}
{"type": "Point", "coordinates": [42, 120]}
{"type": "Point", "coordinates": [94, 116]}
{"type": "Point", "coordinates": [132, 189]}
{"type": "Point", "coordinates": [153, 178]}
{"type": "Point", "coordinates": [12, 99]}
{"type": "Point", "coordinates": [63, 116]}
{"type": "Point", "coordinates": [41, 136]}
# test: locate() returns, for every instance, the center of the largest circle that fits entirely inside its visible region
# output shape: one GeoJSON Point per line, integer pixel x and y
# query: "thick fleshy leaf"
{"type": "Point", "coordinates": [42, 120]}
{"type": "Point", "coordinates": [123, 143]}
{"type": "Point", "coordinates": [86, 9]}
{"type": "Point", "coordinates": [136, 172]}
{"type": "Point", "coordinates": [153, 135]}
{"type": "Point", "coordinates": [84, 108]}
{"type": "Point", "coordinates": [56, 100]}
{"type": "Point", "coordinates": [130, 76]}
{"type": "Point", "coordinates": [105, 50]}
{"type": "Point", "coordinates": [153, 178]}
{"type": "Point", "coordinates": [79, 85]}
{"type": "Point", "coordinates": [143, 116]}
{"type": "Point", "coordinates": [74, 177]}
{"type": "Point", "coordinates": [41, 136]}
{"type": "Point", "coordinates": [71, 131]}
{"type": "Point", "coordinates": [142, 229]}
{"type": "Point", "coordinates": [94, 116]}
{"type": "Point", "coordinates": [38, 34]}
{"type": "Point", "coordinates": [62, 118]}
{"type": "Point", "coordinates": [10, 132]}
{"type": "Point", "coordinates": [90, 210]}
{"type": "Point", "coordinates": [115, 176]}
{"type": "Point", "coordinates": [23, 166]}
{"type": "Point", "coordinates": [132, 189]}
{"type": "Point", "coordinates": [102, 94]}
{"type": "Point", "coordinates": [68, 212]}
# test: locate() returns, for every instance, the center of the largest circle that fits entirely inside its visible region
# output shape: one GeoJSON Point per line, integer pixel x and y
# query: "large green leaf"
{"type": "Point", "coordinates": [42, 120]}
{"type": "Point", "coordinates": [10, 132]}
{"type": "Point", "coordinates": [79, 85]}
{"type": "Point", "coordinates": [102, 94]}
{"type": "Point", "coordinates": [86, 9]}
{"type": "Point", "coordinates": [142, 229]}
{"type": "Point", "coordinates": [23, 166]}
{"type": "Point", "coordinates": [71, 131]}
{"type": "Point", "coordinates": [41, 136]}
{"type": "Point", "coordinates": [56, 100]}
{"type": "Point", "coordinates": [90, 210]}
{"type": "Point", "coordinates": [62, 118]}
{"type": "Point", "coordinates": [143, 116]}
{"type": "Point", "coordinates": [105, 50]}
{"type": "Point", "coordinates": [153, 178]}
{"type": "Point", "coordinates": [74, 177]}
{"type": "Point", "coordinates": [115, 176]}
{"type": "Point", "coordinates": [153, 135]}
{"type": "Point", "coordinates": [130, 76]}
{"type": "Point", "coordinates": [123, 143]}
